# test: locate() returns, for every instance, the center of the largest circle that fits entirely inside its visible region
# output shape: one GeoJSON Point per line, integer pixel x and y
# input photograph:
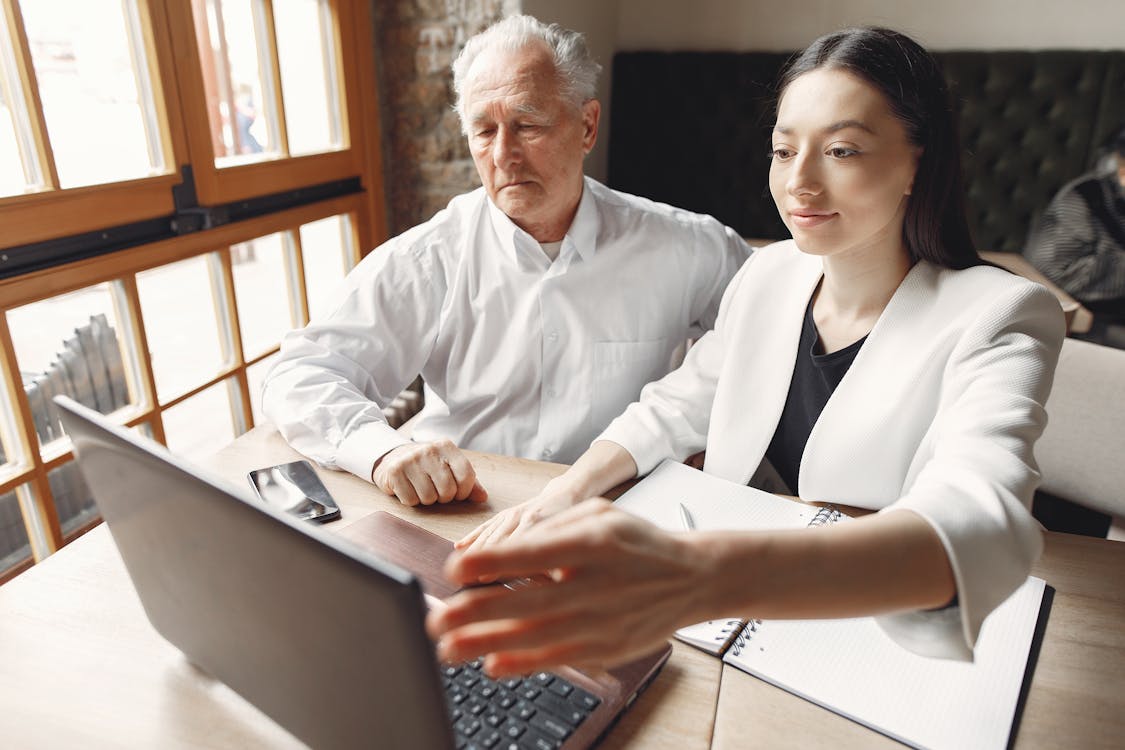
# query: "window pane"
{"type": "Point", "coordinates": [240, 104]}
{"type": "Point", "coordinates": [262, 291]}
{"type": "Point", "coordinates": [73, 501]}
{"type": "Point", "coordinates": [305, 49]}
{"type": "Point", "coordinates": [10, 449]}
{"type": "Point", "coordinates": [256, 377]}
{"type": "Point", "coordinates": [182, 325]}
{"type": "Point", "coordinates": [12, 180]}
{"type": "Point", "coordinates": [99, 119]}
{"type": "Point", "coordinates": [14, 545]}
{"type": "Point", "coordinates": [327, 249]}
{"type": "Point", "coordinates": [17, 153]}
{"type": "Point", "coordinates": [70, 345]}
{"type": "Point", "coordinates": [202, 424]}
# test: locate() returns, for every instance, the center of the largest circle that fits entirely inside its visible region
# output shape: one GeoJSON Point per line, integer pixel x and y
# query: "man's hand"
{"type": "Point", "coordinates": [619, 587]}
{"type": "Point", "coordinates": [428, 473]}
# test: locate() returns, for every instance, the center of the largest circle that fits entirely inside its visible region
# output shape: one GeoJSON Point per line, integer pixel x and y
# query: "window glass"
{"type": "Point", "coordinates": [306, 55]}
{"type": "Point", "coordinates": [182, 325]}
{"type": "Point", "coordinates": [202, 424]}
{"type": "Point", "coordinates": [256, 377]}
{"type": "Point", "coordinates": [12, 180]}
{"type": "Point", "coordinates": [10, 459]}
{"type": "Point", "coordinates": [235, 65]}
{"type": "Point", "coordinates": [90, 65]}
{"type": "Point", "coordinates": [73, 501]}
{"type": "Point", "coordinates": [14, 545]}
{"type": "Point", "coordinates": [261, 289]}
{"type": "Point", "coordinates": [21, 172]}
{"type": "Point", "coordinates": [327, 248]}
{"type": "Point", "coordinates": [71, 345]}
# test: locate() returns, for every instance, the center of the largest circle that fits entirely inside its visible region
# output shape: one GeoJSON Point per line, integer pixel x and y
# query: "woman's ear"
{"type": "Point", "coordinates": [914, 172]}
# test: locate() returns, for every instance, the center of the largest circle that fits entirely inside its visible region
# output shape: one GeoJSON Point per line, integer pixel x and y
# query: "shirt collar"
{"type": "Point", "coordinates": [582, 235]}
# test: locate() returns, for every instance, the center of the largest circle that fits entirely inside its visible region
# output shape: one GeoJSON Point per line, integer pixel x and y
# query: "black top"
{"type": "Point", "coordinates": [815, 377]}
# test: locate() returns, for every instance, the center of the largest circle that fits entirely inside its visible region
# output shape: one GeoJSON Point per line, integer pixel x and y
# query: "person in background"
{"type": "Point", "coordinates": [1079, 242]}
{"type": "Point", "coordinates": [535, 308]}
{"type": "Point", "coordinates": [872, 360]}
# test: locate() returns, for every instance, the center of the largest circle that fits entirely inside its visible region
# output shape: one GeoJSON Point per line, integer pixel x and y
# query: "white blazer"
{"type": "Point", "coordinates": [938, 414]}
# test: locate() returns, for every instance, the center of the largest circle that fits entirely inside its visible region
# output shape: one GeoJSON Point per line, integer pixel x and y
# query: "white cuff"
{"type": "Point", "coordinates": [359, 451]}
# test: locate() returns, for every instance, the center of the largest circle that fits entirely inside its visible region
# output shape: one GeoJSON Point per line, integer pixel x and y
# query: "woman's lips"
{"type": "Point", "coordinates": [810, 219]}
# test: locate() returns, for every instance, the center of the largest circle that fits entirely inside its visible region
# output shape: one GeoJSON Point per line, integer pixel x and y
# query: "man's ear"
{"type": "Point", "coordinates": [591, 113]}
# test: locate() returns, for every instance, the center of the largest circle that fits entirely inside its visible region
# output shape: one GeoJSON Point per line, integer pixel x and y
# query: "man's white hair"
{"type": "Point", "coordinates": [576, 69]}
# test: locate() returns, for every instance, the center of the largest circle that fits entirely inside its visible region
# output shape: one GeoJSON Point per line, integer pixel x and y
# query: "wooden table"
{"type": "Point", "coordinates": [81, 667]}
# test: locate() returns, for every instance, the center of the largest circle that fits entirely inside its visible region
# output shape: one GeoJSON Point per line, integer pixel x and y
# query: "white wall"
{"type": "Point", "coordinates": [597, 19]}
{"type": "Point", "coordinates": [767, 25]}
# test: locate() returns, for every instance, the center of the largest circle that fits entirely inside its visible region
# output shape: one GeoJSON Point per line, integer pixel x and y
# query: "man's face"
{"type": "Point", "coordinates": [528, 143]}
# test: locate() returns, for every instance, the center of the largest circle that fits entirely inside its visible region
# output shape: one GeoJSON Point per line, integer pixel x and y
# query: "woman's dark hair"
{"type": "Point", "coordinates": [935, 228]}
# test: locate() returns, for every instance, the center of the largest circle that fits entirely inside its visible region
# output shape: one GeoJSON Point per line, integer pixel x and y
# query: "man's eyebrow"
{"type": "Point", "coordinates": [523, 109]}
{"type": "Point", "coordinates": [833, 128]}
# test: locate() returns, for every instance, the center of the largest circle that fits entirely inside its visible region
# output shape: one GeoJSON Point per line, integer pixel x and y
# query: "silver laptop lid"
{"type": "Point", "coordinates": [324, 638]}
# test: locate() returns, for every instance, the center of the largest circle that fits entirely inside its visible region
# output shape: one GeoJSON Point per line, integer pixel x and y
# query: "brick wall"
{"type": "Point", "coordinates": [427, 159]}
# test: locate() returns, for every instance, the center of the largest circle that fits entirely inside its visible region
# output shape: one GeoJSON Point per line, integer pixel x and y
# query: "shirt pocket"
{"type": "Point", "coordinates": [621, 369]}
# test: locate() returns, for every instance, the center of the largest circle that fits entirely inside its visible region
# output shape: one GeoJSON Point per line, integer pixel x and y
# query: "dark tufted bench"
{"type": "Point", "coordinates": [692, 129]}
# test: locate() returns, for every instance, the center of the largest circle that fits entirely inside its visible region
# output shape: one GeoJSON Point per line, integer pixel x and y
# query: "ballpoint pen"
{"type": "Point", "coordinates": [685, 518]}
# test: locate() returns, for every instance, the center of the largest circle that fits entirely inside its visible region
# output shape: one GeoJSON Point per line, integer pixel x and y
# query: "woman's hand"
{"type": "Point", "coordinates": [618, 588]}
{"type": "Point", "coordinates": [518, 519]}
{"type": "Point", "coordinates": [603, 466]}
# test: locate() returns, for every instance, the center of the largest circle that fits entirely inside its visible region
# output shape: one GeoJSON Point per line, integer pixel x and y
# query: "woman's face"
{"type": "Point", "coordinates": [842, 165]}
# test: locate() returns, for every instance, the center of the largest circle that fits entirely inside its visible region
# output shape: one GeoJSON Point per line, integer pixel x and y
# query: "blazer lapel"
{"type": "Point", "coordinates": [868, 419]}
{"type": "Point", "coordinates": [763, 332]}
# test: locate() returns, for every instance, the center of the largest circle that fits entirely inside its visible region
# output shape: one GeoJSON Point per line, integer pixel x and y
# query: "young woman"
{"type": "Point", "coordinates": [872, 360]}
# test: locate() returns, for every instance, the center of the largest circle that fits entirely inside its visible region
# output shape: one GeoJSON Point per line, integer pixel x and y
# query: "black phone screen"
{"type": "Point", "coordinates": [296, 489]}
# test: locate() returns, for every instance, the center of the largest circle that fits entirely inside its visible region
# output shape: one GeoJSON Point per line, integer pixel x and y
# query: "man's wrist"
{"type": "Point", "coordinates": [379, 460]}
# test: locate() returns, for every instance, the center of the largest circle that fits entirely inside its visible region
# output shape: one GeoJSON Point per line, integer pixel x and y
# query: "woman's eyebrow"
{"type": "Point", "coordinates": [833, 128]}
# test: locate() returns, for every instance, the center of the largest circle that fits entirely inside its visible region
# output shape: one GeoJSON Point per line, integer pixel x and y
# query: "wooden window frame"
{"type": "Point", "coordinates": [34, 217]}
{"type": "Point", "coordinates": [177, 86]}
{"type": "Point", "coordinates": [35, 462]}
{"type": "Point", "coordinates": [227, 184]}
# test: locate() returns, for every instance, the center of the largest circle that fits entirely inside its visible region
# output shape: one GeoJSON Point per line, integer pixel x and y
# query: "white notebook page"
{"type": "Point", "coordinates": [714, 503]}
{"type": "Point", "coordinates": [853, 668]}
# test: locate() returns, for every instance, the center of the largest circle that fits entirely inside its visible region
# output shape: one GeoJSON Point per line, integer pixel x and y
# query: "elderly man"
{"type": "Point", "coordinates": [535, 308]}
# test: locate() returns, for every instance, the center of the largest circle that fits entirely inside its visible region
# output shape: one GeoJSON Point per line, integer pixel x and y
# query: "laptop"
{"type": "Point", "coordinates": [322, 635]}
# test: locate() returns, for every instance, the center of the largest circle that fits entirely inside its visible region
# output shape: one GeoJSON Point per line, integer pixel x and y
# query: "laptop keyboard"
{"type": "Point", "coordinates": [528, 713]}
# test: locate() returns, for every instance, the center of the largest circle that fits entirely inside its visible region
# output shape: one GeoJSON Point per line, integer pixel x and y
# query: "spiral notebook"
{"type": "Point", "coordinates": [850, 666]}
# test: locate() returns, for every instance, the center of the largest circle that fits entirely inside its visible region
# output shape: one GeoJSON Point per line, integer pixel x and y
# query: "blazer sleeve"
{"type": "Point", "coordinates": [977, 477]}
{"type": "Point", "coordinates": [672, 415]}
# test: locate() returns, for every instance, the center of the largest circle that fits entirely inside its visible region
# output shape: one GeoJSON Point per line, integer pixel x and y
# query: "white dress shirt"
{"type": "Point", "coordinates": [520, 355]}
{"type": "Point", "coordinates": [938, 414]}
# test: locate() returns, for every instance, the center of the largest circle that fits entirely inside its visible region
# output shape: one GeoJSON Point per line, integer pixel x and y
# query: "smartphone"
{"type": "Point", "coordinates": [296, 489]}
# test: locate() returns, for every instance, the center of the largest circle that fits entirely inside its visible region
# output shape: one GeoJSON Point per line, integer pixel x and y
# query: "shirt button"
{"type": "Point", "coordinates": [553, 336]}
{"type": "Point", "coordinates": [550, 392]}
{"type": "Point", "coordinates": [547, 453]}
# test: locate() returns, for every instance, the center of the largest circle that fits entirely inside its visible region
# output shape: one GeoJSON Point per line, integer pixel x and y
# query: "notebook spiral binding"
{"type": "Point", "coordinates": [744, 637]}
{"type": "Point", "coordinates": [825, 516]}
{"type": "Point", "coordinates": [729, 627]}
